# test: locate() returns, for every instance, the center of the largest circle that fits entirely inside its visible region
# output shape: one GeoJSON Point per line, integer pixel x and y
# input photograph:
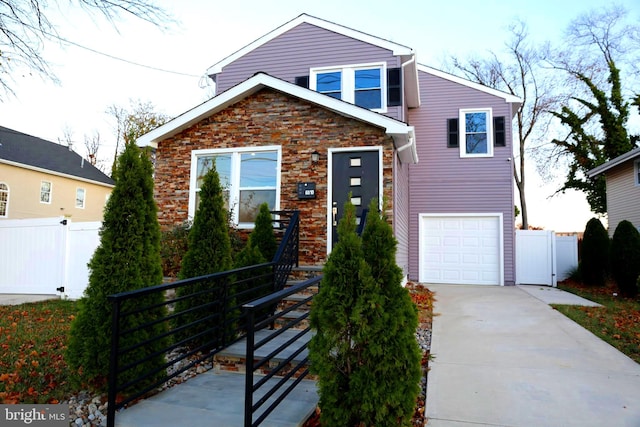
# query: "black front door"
{"type": "Point", "coordinates": [358, 173]}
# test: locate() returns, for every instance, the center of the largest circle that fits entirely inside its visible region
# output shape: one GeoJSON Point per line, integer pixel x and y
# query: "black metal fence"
{"type": "Point", "coordinates": [292, 364]}
{"type": "Point", "coordinates": [192, 321]}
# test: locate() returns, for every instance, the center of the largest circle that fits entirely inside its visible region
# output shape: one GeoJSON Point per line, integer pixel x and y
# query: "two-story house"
{"type": "Point", "coordinates": [313, 113]}
{"type": "Point", "coordinates": [42, 179]}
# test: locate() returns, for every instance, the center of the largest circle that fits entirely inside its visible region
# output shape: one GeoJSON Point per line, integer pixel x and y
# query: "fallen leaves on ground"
{"type": "Point", "coordinates": [33, 339]}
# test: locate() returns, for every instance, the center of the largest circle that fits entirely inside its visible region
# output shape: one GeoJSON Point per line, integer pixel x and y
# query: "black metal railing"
{"type": "Point", "coordinates": [187, 322]}
{"type": "Point", "coordinates": [258, 393]}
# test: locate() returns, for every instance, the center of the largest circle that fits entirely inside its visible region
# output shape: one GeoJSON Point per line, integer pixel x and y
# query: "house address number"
{"type": "Point", "coordinates": [306, 190]}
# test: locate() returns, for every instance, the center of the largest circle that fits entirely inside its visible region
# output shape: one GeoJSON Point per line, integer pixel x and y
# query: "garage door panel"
{"type": "Point", "coordinates": [464, 250]}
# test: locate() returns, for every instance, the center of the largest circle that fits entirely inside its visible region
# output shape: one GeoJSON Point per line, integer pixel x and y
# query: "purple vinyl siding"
{"type": "Point", "coordinates": [295, 52]}
{"type": "Point", "coordinates": [442, 182]}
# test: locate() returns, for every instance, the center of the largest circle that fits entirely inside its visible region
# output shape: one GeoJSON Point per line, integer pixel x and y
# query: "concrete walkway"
{"type": "Point", "coordinates": [503, 357]}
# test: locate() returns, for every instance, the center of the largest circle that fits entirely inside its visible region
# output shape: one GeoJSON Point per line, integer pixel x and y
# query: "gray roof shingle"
{"type": "Point", "coordinates": [31, 151]}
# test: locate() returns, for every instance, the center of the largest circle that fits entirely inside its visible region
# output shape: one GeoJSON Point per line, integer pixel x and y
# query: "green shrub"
{"type": "Point", "coordinates": [392, 356]}
{"type": "Point", "coordinates": [209, 252]}
{"type": "Point", "coordinates": [364, 350]}
{"type": "Point", "coordinates": [127, 258]}
{"type": "Point", "coordinates": [595, 254]}
{"type": "Point", "coordinates": [173, 245]}
{"type": "Point", "coordinates": [625, 258]}
{"type": "Point", "coordinates": [262, 235]}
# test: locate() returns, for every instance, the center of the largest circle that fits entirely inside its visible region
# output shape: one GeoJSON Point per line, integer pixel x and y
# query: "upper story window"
{"type": "Point", "coordinates": [45, 191]}
{"type": "Point", "coordinates": [636, 172]}
{"type": "Point", "coordinates": [475, 132]}
{"type": "Point", "coordinates": [80, 193]}
{"type": "Point", "coordinates": [249, 177]}
{"type": "Point", "coordinates": [4, 200]}
{"type": "Point", "coordinates": [362, 85]}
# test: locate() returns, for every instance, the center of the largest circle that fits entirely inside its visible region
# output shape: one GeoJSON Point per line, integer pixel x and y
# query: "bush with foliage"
{"type": "Point", "coordinates": [364, 350]}
{"type": "Point", "coordinates": [625, 258]}
{"type": "Point", "coordinates": [595, 254]}
{"type": "Point", "coordinates": [262, 238]}
{"type": "Point", "coordinates": [209, 251]}
{"type": "Point", "coordinates": [173, 246]}
{"type": "Point", "coordinates": [393, 353]}
{"type": "Point", "coordinates": [127, 258]}
{"type": "Point", "coordinates": [262, 235]}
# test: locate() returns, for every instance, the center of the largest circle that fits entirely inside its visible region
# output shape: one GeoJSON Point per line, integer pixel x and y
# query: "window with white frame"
{"type": "Point", "coordinates": [636, 172]}
{"type": "Point", "coordinates": [476, 133]}
{"type": "Point", "coordinates": [249, 177]}
{"type": "Point", "coordinates": [362, 85]}
{"type": "Point", "coordinates": [4, 200]}
{"type": "Point", "coordinates": [45, 191]}
{"type": "Point", "coordinates": [80, 194]}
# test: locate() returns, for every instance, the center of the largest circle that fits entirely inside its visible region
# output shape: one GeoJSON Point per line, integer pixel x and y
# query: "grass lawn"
{"type": "Point", "coordinates": [33, 339]}
{"type": "Point", "coordinates": [617, 322]}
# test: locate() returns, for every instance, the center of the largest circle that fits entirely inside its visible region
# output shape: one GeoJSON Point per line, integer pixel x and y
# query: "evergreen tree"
{"type": "Point", "coordinates": [625, 258]}
{"type": "Point", "coordinates": [209, 251]}
{"type": "Point", "coordinates": [364, 350]}
{"type": "Point", "coordinates": [262, 235]}
{"type": "Point", "coordinates": [127, 258]}
{"type": "Point", "coordinates": [392, 356]}
{"type": "Point", "coordinates": [595, 254]}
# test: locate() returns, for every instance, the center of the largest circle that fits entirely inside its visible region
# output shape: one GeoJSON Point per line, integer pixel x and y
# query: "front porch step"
{"type": "Point", "coordinates": [233, 358]}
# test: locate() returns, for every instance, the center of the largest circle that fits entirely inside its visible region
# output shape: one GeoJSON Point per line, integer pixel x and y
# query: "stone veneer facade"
{"type": "Point", "coordinates": [269, 117]}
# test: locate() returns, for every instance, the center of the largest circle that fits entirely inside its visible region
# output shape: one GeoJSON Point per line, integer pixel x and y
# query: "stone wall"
{"type": "Point", "coordinates": [271, 118]}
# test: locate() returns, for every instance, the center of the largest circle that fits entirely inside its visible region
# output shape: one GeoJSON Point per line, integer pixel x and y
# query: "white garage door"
{"type": "Point", "coordinates": [461, 249]}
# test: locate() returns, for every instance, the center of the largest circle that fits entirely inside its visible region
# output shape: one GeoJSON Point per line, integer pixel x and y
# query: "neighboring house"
{"type": "Point", "coordinates": [314, 112]}
{"type": "Point", "coordinates": [41, 179]}
{"type": "Point", "coordinates": [622, 175]}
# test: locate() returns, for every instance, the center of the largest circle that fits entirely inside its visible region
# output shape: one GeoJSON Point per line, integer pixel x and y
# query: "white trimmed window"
{"type": "Point", "coordinates": [363, 85]}
{"type": "Point", "coordinates": [4, 200]}
{"type": "Point", "coordinates": [249, 177]}
{"type": "Point", "coordinates": [80, 194]}
{"type": "Point", "coordinates": [636, 172]}
{"type": "Point", "coordinates": [476, 133]}
{"type": "Point", "coordinates": [45, 192]}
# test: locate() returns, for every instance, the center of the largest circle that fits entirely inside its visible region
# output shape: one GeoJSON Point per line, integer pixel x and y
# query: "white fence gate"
{"type": "Point", "coordinates": [542, 258]}
{"type": "Point", "coordinates": [46, 256]}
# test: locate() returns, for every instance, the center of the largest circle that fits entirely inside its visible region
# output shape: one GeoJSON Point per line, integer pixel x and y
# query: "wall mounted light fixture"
{"type": "Point", "coordinates": [315, 157]}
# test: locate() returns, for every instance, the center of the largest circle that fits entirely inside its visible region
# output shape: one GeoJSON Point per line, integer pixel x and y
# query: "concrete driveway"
{"type": "Point", "coordinates": [504, 357]}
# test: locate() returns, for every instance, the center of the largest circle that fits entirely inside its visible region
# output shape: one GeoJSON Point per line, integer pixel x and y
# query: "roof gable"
{"type": "Point", "coordinates": [473, 85]}
{"type": "Point", "coordinates": [396, 48]}
{"type": "Point", "coordinates": [629, 155]}
{"type": "Point", "coordinates": [403, 135]}
{"type": "Point", "coordinates": [28, 151]}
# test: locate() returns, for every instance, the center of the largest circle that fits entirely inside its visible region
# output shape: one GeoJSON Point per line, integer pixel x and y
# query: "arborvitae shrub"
{"type": "Point", "coordinates": [262, 235]}
{"type": "Point", "coordinates": [364, 350]}
{"type": "Point", "coordinates": [393, 355]}
{"type": "Point", "coordinates": [127, 258]}
{"type": "Point", "coordinates": [625, 258]}
{"type": "Point", "coordinates": [595, 254]}
{"type": "Point", "coordinates": [209, 252]}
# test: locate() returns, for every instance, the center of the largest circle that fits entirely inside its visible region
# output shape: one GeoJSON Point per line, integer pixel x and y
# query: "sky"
{"type": "Point", "coordinates": [170, 63]}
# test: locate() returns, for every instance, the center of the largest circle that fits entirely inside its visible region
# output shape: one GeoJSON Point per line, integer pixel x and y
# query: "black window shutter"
{"type": "Point", "coordinates": [302, 81]}
{"type": "Point", "coordinates": [498, 132]}
{"type": "Point", "coordinates": [394, 87]}
{"type": "Point", "coordinates": [452, 131]}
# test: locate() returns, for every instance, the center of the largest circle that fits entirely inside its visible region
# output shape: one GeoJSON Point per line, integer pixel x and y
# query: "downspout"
{"type": "Point", "coordinates": [404, 64]}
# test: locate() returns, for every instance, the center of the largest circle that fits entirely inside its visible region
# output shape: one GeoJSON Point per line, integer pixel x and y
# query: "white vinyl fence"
{"type": "Point", "coordinates": [46, 256]}
{"type": "Point", "coordinates": [542, 258]}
